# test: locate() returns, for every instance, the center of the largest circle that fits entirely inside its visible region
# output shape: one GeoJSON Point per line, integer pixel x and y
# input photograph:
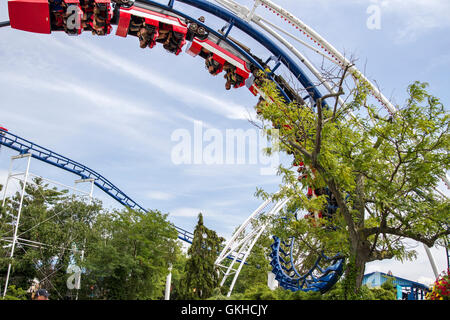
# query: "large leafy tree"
{"type": "Point", "coordinates": [126, 253]}
{"type": "Point", "coordinates": [201, 275]}
{"type": "Point", "coordinates": [381, 169]}
{"type": "Point", "coordinates": [129, 257]}
{"type": "Point", "coordinates": [52, 224]}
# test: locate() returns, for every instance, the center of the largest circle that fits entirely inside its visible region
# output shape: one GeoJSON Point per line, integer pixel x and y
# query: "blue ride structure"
{"type": "Point", "coordinates": [320, 276]}
{"type": "Point", "coordinates": [23, 146]}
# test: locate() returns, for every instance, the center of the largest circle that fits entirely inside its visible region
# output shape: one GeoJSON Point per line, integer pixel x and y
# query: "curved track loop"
{"type": "Point", "coordinates": [321, 277]}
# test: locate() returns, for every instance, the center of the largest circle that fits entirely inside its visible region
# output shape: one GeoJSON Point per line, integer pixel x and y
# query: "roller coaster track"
{"type": "Point", "coordinates": [321, 277]}
{"type": "Point", "coordinates": [326, 270]}
{"type": "Point", "coordinates": [23, 146]}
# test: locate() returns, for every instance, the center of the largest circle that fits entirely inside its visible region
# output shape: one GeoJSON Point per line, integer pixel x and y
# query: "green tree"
{"type": "Point", "coordinates": [15, 294]}
{"type": "Point", "coordinates": [51, 224]}
{"type": "Point", "coordinates": [201, 275]}
{"type": "Point", "coordinates": [381, 170]}
{"type": "Point", "coordinates": [130, 255]}
{"type": "Point", "coordinates": [126, 253]}
{"type": "Point", "coordinates": [178, 274]}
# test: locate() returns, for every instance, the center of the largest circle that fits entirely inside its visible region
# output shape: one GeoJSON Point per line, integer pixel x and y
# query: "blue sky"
{"type": "Point", "coordinates": [113, 106]}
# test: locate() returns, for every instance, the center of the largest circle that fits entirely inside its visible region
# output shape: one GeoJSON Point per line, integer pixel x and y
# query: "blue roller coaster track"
{"type": "Point", "coordinates": [327, 270]}
{"type": "Point", "coordinates": [321, 276]}
{"type": "Point", "coordinates": [45, 155]}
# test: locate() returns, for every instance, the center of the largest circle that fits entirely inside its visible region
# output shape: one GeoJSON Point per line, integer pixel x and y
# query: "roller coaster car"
{"type": "Point", "coordinates": [220, 59]}
{"type": "Point", "coordinates": [79, 15]}
{"type": "Point", "coordinates": [30, 15]}
{"type": "Point", "coordinates": [66, 16]}
{"type": "Point", "coordinates": [152, 27]}
{"type": "Point", "coordinates": [97, 16]}
{"type": "Point", "coordinates": [331, 207]}
{"type": "Point", "coordinates": [71, 16]}
{"type": "Point", "coordinates": [253, 84]}
{"type": "Point", "coordinates": [3, 129]}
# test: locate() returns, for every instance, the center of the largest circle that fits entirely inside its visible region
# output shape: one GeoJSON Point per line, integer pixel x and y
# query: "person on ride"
{"type": "Point", "coordinates": [144, 37]}
{"type": "Point", "coordinates": [87, 17]}
{"type": "Point", "coordinates": [57, 10]}
{"type": "Point", "coordinates": [58, 20]}
{"type": "Point", "coordinates": [173, 41]}
{"type": "Point", "coordinates": [166, 44]}
{"type": "Point", "coordinates": [258, 105]}
{"type": "Point", "coordinates": [230, 75]}
{"type": "Point", "coordinates": [98, 24]}
{"type": "Point", "coordinates": [135, 25]}
{"type": "Point", "coordinates": [212, 65]}
{"type": "Point", "coordinates": [239, 80]}
{"type": "Point", "coordinates": [163, 35]}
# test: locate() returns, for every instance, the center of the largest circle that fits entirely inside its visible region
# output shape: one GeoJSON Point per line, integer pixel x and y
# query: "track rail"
{"type": "Point", "coordinates": [260, 37]}
{"type": "Point", "coordinates": [45, 155]}
{"type": "Point", "coordinates": [321, 277]}
{"type": "Point", "coordinates": [236, 22]}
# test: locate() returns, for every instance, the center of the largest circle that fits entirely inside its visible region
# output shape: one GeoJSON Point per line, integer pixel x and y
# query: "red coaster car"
{"type": "Point", "coordinates": [218, 59]}
{"type": "Point", "coordinates": [71, 16]}
{"type": "Point", "coordinates": [219, 55]}
{"type": "Point", "coordinates": [152, 27]}
{"type": "Point", "coordinates": [30, 15]}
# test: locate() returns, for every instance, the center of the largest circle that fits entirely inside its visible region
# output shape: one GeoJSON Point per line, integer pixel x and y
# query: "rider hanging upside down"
{"type": "Point", "coordinates": [147, 35]}
{"type": "Point", "coordinates": [212, 65]}
{"type": "Point", "coordinates": [57, 9]}
{"type": "Point", "coordinates": [99, 20]}
{"type": "Point", "coordinates": [172, 41]}
{"type": "Point", "coordinates": [331, 206]}
{"type": "Point", "coordinates": [233, 79]}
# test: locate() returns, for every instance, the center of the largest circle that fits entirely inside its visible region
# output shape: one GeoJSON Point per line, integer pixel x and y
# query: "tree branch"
{"type": "Point", "coordinates": [414, 236]}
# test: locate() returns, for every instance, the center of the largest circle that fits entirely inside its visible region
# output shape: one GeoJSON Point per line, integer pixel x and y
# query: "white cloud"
{"type": "Point", "coordinates": [98, 96]}
{"type": "Point", "coordinates": [418, 270]}
{"type": "Point", "coordinates": [185, 212]}
{"type": "Point", "coordinates": [159, 195]}
{"type": "Point", "coordinates": [408, 19]}
{"type": "Point", "coordinates": [206, 213]}
{"type": "Point", "coordinates": [182, 92]}
{"type": "Point", "coordinates": [426, 281]}
{"type": "Point", "coordinates": [102, 107]}
{"type": "Point", "coordinates": [413, 18]}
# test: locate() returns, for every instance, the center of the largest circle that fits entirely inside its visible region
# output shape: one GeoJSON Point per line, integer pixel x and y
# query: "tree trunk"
{"type": "Point", "coordinates": [356, 266]}
{"type": "Point", "coordinates": [360, 264]}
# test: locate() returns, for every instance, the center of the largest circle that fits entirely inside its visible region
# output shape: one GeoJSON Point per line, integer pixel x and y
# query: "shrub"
{"type": "Point", "coordinates": [441, 288]}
